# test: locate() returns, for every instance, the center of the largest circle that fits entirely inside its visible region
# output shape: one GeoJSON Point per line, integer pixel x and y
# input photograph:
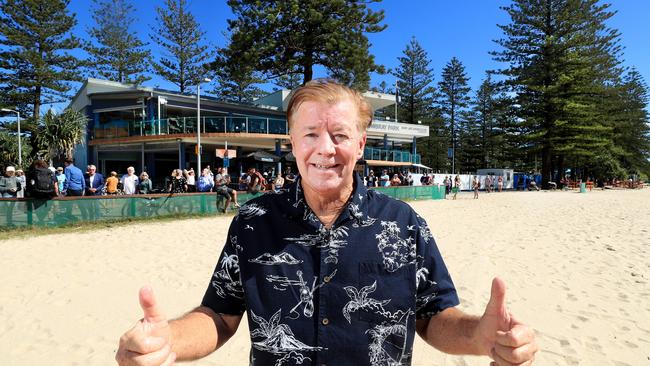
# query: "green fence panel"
{"type": "Point", "coordinates": [63, 211]}
{"type": "Point", "coordinates": [414, 193]}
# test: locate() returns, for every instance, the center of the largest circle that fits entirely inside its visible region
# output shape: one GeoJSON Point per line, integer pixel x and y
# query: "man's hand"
{"type": "Point", "coordinates": [149, 341]}
{"type": "Point", "coordinates": [505, 339]}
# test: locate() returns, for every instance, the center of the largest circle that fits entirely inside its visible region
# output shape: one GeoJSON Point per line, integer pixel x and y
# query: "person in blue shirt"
{"type": "Point", "coordinates": [328, 271]}
{"type": "Point", "coordinates": [74, 184]}
{"type": "Point", "coordinates": [205, 182]}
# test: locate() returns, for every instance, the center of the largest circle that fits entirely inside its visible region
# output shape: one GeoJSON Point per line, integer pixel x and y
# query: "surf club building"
{"type": "Point", "coordinates": [156, 130]}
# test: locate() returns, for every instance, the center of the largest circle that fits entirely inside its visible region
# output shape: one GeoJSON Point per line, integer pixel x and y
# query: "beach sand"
{"type": "Point", "coordinates": [577, 267]}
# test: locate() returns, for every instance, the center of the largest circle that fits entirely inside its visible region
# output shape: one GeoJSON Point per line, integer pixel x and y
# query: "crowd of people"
{"type": "Point", "coordinates": [44, 181]}
{"type": "Point", "coordinates": [452, 184]}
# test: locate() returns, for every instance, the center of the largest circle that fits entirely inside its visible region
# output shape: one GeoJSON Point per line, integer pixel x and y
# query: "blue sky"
{"type": "Point", "coordinates": [462, 28]}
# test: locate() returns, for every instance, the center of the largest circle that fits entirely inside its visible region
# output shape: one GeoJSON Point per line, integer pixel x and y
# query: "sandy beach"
{"type": "Point", "coordinates": [577, 268]}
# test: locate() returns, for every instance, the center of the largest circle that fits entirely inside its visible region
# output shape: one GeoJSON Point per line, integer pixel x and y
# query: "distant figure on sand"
{"type": "Point", "coordinates": [456, 186]}
{"type": "Point", "coordinates": [500, 183]}
{"type": "Point", "coordinates": [327, 271]}
{"type": "Point", "coordinates": [476, 185]}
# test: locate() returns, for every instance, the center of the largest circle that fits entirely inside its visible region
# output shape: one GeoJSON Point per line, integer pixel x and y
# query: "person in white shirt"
{"type": "Point", "coordinates": [130, 181]}
{"type": "Point", "coordinates": [384, 179]}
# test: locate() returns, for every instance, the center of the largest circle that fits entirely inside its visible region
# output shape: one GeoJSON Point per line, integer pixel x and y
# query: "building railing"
{"type": "Point", "coordinates": [370, 153]}
{"type": "Point", "coordinates": [185, 125]}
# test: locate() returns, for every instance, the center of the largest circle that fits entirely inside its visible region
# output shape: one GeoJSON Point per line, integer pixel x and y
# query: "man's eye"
{"type": "Point", "coordinates": [340, 137]}
{"type": "Point", "coordinates": [311, 135]}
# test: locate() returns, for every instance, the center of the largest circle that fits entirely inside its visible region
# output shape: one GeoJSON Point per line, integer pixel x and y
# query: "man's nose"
{"type": "Point", "coordinates": [326, 144]}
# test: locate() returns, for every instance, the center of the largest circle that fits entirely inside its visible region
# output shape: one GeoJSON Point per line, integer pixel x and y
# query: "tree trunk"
{"type": "Point", "coordinates": [308, 72]}
{"type": "Point", "coordinates": [546, 166]}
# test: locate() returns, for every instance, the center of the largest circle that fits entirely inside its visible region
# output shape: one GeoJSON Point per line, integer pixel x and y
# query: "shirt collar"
{"type": "Point", "coordinates": [356, 207]}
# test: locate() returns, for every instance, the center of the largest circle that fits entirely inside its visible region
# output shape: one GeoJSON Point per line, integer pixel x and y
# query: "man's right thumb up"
{"type": "Point", "coordinates": [152, 313]}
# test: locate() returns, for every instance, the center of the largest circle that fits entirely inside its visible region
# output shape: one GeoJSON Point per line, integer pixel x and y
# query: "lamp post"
{"type": "Point", "coordinates": [20, 149]}
{"type": "Point", "coordinates": [198, 124]}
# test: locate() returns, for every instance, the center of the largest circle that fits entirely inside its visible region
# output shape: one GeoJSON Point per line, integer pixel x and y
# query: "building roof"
{"type": "Point", "coordinates": [279, 100]}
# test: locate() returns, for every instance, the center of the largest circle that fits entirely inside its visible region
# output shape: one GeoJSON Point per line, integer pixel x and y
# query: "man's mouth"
{"type": "Point", "coordinates": [325, 166]}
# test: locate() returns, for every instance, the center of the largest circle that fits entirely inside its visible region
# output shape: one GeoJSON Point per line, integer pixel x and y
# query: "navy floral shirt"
{"type": "Point", "coordinates": [347, 295]}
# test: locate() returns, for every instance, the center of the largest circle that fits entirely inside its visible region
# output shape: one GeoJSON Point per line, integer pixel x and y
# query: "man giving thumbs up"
{"type": "Point", "coordinates": [149, 342]}
{"type": "Point", "coordinates": [496, 334]}
{"type": "Point", "coordinates": [327, 271]}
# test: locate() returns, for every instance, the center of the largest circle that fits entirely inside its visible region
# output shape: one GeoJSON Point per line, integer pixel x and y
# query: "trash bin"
{"type": "Point", "coordinates": [583, 187]}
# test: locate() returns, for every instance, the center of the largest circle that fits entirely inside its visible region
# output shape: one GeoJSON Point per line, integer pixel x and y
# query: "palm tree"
{"type": "Point", "coordinates": [60, 133]}
{"type": "Point", "coordinates": [9, 150]}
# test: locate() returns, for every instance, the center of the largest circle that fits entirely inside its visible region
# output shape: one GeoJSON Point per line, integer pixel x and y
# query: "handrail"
{"type": "Point", "coordinates": [184, 125]}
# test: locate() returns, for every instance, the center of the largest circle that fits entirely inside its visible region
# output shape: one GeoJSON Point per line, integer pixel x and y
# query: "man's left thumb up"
{"type": "Point", "coordinates": [497, 304]}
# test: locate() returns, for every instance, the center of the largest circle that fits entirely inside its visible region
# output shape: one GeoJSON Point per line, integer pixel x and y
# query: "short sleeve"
{"type": "Point", "coordinates": [435, 289]}
{"type": "Point", "coordinates": [225, 294]}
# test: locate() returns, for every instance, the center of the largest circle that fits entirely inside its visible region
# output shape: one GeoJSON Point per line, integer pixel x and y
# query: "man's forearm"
{"type": "Point", "coordinates": [452, 331]}
{"type": "Point", "coordinates": [201, 332]}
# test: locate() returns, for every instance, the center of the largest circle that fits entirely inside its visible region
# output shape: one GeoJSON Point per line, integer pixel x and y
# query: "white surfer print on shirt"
{"type": "Point", "coordinates": [357, 217]}
{"type": "Point", "coordinates": [226, 279]}
{"type": "Point", "coordinates": [388, 343]}
{"type": "Point", "coordinates": [331, 239]}
{"type": "Point", "coordinates": [306, 293]}
{"type": "Point", "coordinates": [233, 241]}
{"type": "Point", "coordinates": [425, 232]}
{"type": "Point", "coordinates": [396, 251]}
{"type": "Point", "coordinates": [421, 275]}
{"type": "Point", "coordinates": [251, 210]}
{"type": "Point", "coordinates": [389, 337]}
{"type": "Point", "coordinates": [359, 300]}
{"type": "Point", "coordinates": [278, 339]}
{"type": "Point", "coordinates": [269, 259]}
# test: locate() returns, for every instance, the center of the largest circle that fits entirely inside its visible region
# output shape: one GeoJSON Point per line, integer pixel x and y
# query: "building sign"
{"type": "Point", "coordinates": [231, 153]}
{"type": "Point", "coordinates": [408, 129]}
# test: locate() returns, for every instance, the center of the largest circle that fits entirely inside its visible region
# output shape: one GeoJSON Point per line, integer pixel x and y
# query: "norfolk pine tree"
{"type": "Point", "coordinates": [453, 99]}
{"type": "Point", "coordinates": [414, 81]}
{"type": "Point", "coordinates": [35, 63]}
{"type": "Point", "coordinates": [632, 127]}
{"type": "Point", "coordinates": [236, 83]}
{"type": "Point", "coordinates": [279, 37]}
{"type": "Point", "coordinates": [490, 122]}
{"type": "Point", "coordinates": [561, 59]}
{"type": "Point", "coordinates": [184, 56]}
{"type": "Point", "coordinates": [116, 53]}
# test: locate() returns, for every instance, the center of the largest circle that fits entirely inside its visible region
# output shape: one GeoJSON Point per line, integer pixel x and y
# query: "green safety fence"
{"type": "Point", "coordinates": [414, 192]}
{"type": "Point", "coordinates": [69, 210]}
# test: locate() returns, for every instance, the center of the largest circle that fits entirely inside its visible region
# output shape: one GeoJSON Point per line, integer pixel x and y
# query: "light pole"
{"type": "Point", "coordinates": [198, 124]}
{"type": "Point", "coordinates": [20, 148]}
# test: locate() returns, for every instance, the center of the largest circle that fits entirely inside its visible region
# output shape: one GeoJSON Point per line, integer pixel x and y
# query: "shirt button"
{"type": "Point", "coordinates": [326, 279]}
{"type": "Point", "coordinates": [325, 321]}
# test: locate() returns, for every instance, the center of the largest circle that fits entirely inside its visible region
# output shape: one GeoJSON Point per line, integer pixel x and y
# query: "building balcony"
{"type": "Point", "coordinates": [396, 156]}
{"type": "Point", "coordinates": [187, 125]}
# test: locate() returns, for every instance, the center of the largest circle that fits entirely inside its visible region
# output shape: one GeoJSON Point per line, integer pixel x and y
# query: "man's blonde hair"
{"type": "Point", "coordinates": [330, 92]}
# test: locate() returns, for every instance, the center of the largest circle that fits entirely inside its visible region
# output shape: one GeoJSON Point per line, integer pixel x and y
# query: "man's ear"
{"type": "Point", "coordinates": [362, 145]}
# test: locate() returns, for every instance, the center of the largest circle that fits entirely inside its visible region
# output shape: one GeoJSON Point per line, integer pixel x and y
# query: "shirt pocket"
{"type": "Point", "coordinates": [385, 296]}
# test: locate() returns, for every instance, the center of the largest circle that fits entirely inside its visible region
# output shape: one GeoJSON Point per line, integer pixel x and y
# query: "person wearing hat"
{"type": "Point", "coordinates": [9, 184]}
{"type": "Point", "coordinates": [20, 175]}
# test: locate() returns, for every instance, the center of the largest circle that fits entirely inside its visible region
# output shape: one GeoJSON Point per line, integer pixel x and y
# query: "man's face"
{"type": "Point", "coordinates": [92, 170]}
{"type": "Point", "coordinates": [327, 143]}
